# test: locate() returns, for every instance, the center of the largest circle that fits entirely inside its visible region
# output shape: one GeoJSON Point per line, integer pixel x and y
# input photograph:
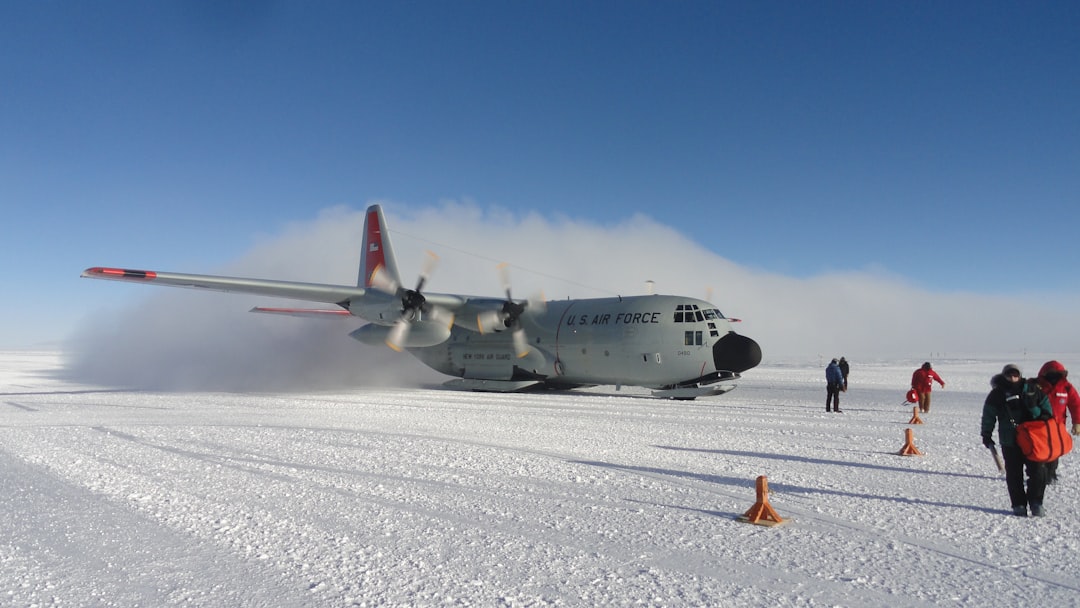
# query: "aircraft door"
{"type": "Point", "coordinates": [646, 360]}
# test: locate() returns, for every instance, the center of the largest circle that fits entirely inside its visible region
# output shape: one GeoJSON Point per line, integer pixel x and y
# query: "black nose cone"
{"type": "Point", "coordinates": [736, 353]}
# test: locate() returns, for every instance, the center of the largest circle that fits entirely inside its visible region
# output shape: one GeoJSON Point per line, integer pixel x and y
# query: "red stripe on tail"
{"type": "Point", "coordinates": [373, 238]}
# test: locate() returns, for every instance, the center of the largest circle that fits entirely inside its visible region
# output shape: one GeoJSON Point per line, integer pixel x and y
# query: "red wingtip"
{"type": "Point", "coordinates": [120, 273]}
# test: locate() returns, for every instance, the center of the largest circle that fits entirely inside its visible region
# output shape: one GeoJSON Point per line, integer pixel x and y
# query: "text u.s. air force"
{"type": "Point", "coordinates": [625, 318]}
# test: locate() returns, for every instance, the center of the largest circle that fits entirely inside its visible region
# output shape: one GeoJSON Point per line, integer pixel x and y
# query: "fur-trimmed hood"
{"type": "Point", "coordinates": [999, 381]}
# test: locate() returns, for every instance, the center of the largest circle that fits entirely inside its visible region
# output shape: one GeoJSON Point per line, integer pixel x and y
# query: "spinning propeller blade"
{"type": "Point", "coordinates": [398, 333]}
{"type": "Point", "coordinates": [381, 280]}
{"type": "Point", "coordinates": [414, 306]}
{"type": "Point", "coordinates": [507, 317]}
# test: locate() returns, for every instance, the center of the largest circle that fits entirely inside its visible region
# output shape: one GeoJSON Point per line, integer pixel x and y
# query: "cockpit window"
{"type": "Point", "coordinates": [684, 317]}
{"type": "Point", "coordinates": [690, 313]}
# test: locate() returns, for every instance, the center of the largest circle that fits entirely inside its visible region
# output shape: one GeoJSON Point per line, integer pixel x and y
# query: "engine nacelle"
{"type": "Point", "coordinates": [421, 334]}
{"type": "Point", "coordinates": [376, 307]}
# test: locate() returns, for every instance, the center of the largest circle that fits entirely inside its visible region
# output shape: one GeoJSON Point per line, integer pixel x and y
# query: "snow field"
{"type": "Point", "coordinates": [117, 497]}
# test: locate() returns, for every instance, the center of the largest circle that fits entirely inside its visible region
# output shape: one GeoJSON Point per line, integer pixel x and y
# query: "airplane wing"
{"type": "Point", "coordinates": [349, 297]}
{"type": "Point", "coordinates": [311, 292]}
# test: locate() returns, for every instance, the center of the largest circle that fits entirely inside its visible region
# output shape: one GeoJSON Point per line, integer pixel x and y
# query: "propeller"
{"type": "Point", "coordinates": [508, 316]}
{"type": "Point", "coordinates": [414, 308]}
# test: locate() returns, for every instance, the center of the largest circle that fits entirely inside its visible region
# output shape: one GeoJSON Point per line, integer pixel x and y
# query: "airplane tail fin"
{"type": "Point", "coordinates": [377, 256]}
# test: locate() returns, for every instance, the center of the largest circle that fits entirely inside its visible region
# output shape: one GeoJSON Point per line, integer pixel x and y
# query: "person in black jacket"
{"type": "Point", "coordinates": [834, 383]}
{"type": "Point", "coordinates": [844, 369]}
{"type": "Point", "coordinates": [1011, 401]}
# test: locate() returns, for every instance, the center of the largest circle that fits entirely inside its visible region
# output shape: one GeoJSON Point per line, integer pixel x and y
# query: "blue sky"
{"type": "Point", "coordinates": [937, 143]}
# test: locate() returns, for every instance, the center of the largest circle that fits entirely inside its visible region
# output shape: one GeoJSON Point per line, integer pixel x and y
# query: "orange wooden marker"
{"type": "Point", "coordinates": [915, 416]}
{"type": "Point", "coordinates": [909, 448]}
{"type": "Point", "coordinates": [762, 512]}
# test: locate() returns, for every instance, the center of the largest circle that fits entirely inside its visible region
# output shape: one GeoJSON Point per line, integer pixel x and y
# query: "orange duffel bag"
{"type": "Point", "coordinates": [1043, 440]}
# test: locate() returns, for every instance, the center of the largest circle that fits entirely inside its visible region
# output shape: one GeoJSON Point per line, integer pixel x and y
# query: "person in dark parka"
{"type": "Point", "coordinates": [834, 381]}
{"type": "Point", "coordinates": [845, 368]}
{"type": "Point", "coordinates": [1011, 401]}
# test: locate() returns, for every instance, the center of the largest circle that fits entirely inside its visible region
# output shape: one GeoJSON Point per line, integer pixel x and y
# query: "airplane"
{"type": "Point", "coordinates": [679, 347]}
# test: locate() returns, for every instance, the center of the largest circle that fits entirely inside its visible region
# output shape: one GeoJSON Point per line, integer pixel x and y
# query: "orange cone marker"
{"type": "Point", "coordinates": [915, 416]}
{"type": "Point", "coordinates": [762, 512]}
{"type": "Point", "coordinates": [909, 448]}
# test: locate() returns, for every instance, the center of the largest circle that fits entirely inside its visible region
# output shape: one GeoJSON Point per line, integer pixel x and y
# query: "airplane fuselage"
{"type": "Point", "coordinates": [653, 341]}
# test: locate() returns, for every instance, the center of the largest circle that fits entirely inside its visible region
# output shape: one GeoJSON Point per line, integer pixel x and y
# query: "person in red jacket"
{"type": "Point", "coordinates": [1053, 380]}
{"type": "Point", "coordinates": [923, 382]}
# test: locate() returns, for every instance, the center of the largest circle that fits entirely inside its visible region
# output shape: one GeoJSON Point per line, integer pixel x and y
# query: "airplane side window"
{"type": "Point", "coordinates": [697, 338]}
{"type": "Point", "coordinates": [688, 338]}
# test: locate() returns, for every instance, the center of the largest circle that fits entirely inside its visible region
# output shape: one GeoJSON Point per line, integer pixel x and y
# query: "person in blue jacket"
{"type": "Point", "coordinates": [834, 380]}
{"type": "Point", "coordinates": [1015, 400]}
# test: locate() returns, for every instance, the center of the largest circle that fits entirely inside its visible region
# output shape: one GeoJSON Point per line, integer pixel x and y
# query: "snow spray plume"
{"type": "Point", "coordinates": [178, 339]}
